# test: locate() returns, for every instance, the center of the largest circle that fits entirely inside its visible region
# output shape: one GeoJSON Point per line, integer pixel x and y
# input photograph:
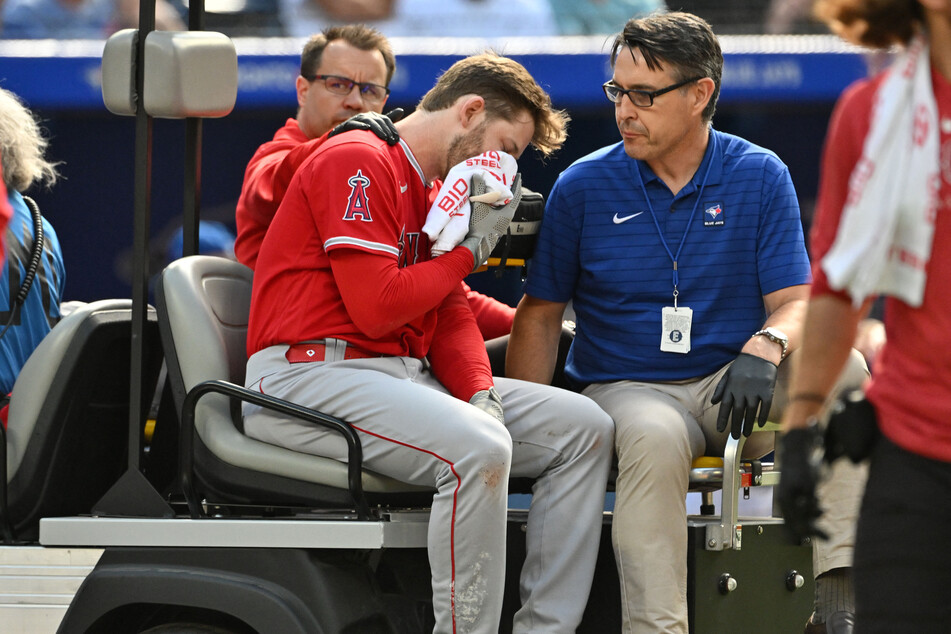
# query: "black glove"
{"type": "Point", "coordinates": [853, 428]}
{"type": "Point", "coordinates": [799, 453]}
{"type": "Point", "coordinates": [394, 115]}
{"type": "Point", "coordinates": [379, 124]}
{"type": "Point", "coordinates": [745, 388]}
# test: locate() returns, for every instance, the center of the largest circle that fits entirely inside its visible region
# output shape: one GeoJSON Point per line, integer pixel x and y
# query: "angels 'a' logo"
{"type": "Point", "coordinates": [358, 204]}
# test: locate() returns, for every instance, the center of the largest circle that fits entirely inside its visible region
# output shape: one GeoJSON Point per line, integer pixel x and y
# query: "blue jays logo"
{"type": "Point", "coordinates": [358, 204]}
{"type": "Point", "coordinates": [713, 215]}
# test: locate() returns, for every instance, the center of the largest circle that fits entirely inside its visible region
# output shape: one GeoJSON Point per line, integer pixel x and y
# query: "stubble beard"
{"type": "Point", "coordinates": [465, 146]}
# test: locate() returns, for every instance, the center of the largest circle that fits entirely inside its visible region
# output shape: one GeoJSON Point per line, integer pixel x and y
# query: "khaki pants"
{"type": "Point", "coordinates": [660, 429]}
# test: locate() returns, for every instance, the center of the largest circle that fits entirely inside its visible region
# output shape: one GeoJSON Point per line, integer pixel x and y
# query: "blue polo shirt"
{"type": "Point", "coordinates": [600, 247]}
{"type": "Point", "coordinates": [41, 309]}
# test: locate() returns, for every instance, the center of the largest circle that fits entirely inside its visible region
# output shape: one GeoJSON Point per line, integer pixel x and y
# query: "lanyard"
{"type": "Point", "coordinates": [675, 257]}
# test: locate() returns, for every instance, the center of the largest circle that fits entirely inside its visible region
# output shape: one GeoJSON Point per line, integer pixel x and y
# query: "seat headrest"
{"type": "Point", "coordinates": [187, 74]}
{"type": "Point", "coordinates": [118, 72]}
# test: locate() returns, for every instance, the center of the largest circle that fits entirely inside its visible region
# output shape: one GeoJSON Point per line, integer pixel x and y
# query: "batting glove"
{"type": "Point", "coordinates": [487, 224]}
{"type": "Point", "coordinates": [489, 402]}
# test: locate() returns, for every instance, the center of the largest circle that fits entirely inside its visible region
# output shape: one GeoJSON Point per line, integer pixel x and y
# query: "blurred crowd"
{"type": "Point", "coordinates": [95, 19]}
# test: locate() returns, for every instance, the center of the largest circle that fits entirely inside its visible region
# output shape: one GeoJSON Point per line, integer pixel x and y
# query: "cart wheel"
{"type": "Point", "coordinates": [190, 628]}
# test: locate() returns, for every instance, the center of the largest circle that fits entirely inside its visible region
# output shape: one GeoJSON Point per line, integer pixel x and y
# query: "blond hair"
{"type": "Point", "coordinates": [22, 146]}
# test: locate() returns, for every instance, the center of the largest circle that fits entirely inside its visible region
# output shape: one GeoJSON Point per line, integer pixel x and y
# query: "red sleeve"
{"type": "Point", "coordinates": [289, 164]}
{"type": "Point", "coordinates": [493, 317]}
{"type": "Point", "coordinates": [457, 353]}
{"type": "Point", "coordinates": [256, 206]}
{"type": "Point", "coordinates": [265, 182]}
{"type": "Point", "coordinates": [843, 148]}
{"type": "Point", "coordinates": [380, 296]}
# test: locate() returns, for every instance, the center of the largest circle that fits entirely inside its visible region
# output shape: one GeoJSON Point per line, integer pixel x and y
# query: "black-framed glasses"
{"type": "Point", "coordinates": [641, 98]}
{"type": "Point", "coordinates": [371, 93]}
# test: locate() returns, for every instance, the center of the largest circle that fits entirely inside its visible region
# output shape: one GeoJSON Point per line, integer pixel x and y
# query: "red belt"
{"type": "Point", "coordinates": [312, 352]}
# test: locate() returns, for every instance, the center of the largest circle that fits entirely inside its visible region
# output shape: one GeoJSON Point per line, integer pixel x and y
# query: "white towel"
{"type": "Point", "coordinates": [885, 233]}
{"type": "Point", "coordinates": [448, 220]}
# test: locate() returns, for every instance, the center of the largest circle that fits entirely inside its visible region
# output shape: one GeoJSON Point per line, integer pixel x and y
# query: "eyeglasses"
{"type": "Point", "coordinates": [641, 98]}
{"type": "Point", "coordinates": [371, 93]}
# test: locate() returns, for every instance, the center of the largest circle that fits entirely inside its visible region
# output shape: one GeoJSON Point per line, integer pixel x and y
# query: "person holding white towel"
{"type": "Point", "coordinates": [883, 226]}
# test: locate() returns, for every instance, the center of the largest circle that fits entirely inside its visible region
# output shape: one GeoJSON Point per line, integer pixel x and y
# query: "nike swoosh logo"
{"type": "Point", "coordinates": [403, 188]}
{"type": "Point", "coordinates": [618, 220]}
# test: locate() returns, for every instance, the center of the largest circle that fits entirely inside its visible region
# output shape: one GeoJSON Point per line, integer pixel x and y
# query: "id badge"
{"type": "Point", "coordinates": [675, 329]}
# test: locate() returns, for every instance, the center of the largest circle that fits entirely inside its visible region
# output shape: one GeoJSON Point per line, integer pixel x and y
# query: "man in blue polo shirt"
{"type": "Point", "coordinates": [681, 250]}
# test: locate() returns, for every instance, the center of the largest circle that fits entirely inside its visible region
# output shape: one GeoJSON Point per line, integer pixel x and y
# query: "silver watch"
{"type": "Point", "coordinates": [776, 336]}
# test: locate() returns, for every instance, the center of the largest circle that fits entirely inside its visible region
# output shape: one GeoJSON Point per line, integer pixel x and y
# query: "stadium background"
{"type": "Point", "coordinates": [778, 91]}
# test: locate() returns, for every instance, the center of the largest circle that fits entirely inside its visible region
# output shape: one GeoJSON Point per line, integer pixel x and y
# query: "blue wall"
{"type": "Point", "coordinates": [777, 92]}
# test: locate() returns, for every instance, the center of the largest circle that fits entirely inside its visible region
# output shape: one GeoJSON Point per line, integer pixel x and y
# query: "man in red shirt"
{"type": "Point", "coordinates": [333, 63]}
{"type": "Point", "coordinates": [352, 316]}
{"type": "Point", "coordinates": [902, 548]}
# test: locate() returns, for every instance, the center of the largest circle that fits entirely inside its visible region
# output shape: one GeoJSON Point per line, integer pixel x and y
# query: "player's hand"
{"type": "Point", "coordinates": [489, 402]}
{"type": "Point", "coordinates": [746, 387]}
{"type": "Point", "coordinates": [379, 124]}
{"type": "Point", "coordinates": [487, 224]}
{"type": "Point", "coordinates": [799, 455]}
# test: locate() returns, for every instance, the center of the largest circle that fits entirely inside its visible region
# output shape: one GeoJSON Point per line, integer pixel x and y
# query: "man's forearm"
{"type": "Point", "coordinates": [828, 334]}
{"type": "Point", "coordinates": [381, 296]}
{"type": "Point", "coordinates": [533, 345]}
{"type": "Point", "coordinates": [787, 310]}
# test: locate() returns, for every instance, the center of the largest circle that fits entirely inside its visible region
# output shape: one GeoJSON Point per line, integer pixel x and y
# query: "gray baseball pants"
{"type": "Point", "coordinates": [414, 431]}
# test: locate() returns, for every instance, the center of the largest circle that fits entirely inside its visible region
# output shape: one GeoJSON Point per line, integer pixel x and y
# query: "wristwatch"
{"type": "Point", "coordinates": [776, 336]}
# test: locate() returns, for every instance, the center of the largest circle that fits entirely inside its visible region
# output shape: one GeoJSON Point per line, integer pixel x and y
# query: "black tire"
{"type": "Point", "coordinates": [188, 628]}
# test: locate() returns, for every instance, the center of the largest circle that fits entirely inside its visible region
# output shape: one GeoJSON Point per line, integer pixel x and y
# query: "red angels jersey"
{"type": "Point", "coordinates": [354, 192]}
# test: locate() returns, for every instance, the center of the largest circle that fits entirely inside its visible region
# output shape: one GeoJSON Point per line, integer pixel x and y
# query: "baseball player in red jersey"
{"type": "Point", "coordinates": [328, 95]}
{"type": "Point", "coordinates": [351, 315]}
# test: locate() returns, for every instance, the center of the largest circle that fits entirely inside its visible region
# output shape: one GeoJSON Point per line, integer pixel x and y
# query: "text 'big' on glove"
{"type": "Point", "coordinates": [799, 455]}
{"type": "Point", "coordinates": [489, 402]}
{"type": "Point", "coordinates": [379, 124]}
{"type": "Point", "coordinates": [487, 224]}
{"type": "Point", "coordinates": [745, 389]}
